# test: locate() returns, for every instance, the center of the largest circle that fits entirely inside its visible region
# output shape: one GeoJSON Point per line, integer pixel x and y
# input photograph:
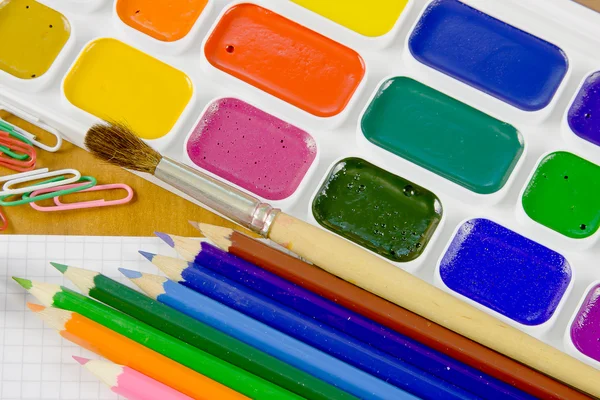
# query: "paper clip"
{"type": "Point", "coordinates": [59, 206]}
{"type": "Point", "coordinates": [23, 174]}
{"type": "Point", "coordinates": [11, 131]}
{"type": "Point", "coordinates": [7, 185]}
{"type": "Point", "coordinates": [11, 144]}
{"type": "Point", "coordinates": [3, 221]}
{"type": "Point", "coordinates": [6, 150]}
{"type": "Point", "coordinates": [35, 121]}
{"type": "Point", "coordinates": [50, 192]}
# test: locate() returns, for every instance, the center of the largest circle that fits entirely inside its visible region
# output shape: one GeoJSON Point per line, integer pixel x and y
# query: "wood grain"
{"type": "Point", "coordinates": [152, 209]}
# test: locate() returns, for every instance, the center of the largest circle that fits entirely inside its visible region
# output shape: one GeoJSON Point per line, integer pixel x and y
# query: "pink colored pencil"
{"type": "Point", "coordinates": [129, 383]}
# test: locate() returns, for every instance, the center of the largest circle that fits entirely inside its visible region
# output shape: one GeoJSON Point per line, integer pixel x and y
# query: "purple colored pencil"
{"type": "Point", "coordinates": [353, 324]}
{"type": "Point", "coordinates": [344, 347]}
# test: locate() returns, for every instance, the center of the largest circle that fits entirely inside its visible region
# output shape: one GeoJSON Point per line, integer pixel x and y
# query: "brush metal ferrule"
{"type": "Point", "coordinates": [221, 197]}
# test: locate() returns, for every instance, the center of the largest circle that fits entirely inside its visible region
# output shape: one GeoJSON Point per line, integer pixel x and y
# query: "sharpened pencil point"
{"type": "Point", "coordinates": [35, 307]}
{"type": "Point", "coordinates": [26, 283]}
{"type": "Point", "coordinates": [81, 360]}
{"type": "Point", "coordinates": [195, 224]}
{"type": "Point", "coordinates": [62, 268]}
{"type": "Point", "coordinates": [149, 256]}
{"type": "Point", "coordinates": [131, 274]}
{"type": "Point", "coordinates": [165, 238]}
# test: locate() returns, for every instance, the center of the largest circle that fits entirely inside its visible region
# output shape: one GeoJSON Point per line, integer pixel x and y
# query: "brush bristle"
{"type": "Point", "coordinates": [117, 144]}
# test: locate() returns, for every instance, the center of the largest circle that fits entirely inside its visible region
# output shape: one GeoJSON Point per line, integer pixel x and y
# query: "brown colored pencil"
{"type": "Point", "coordinates": [388, 314]}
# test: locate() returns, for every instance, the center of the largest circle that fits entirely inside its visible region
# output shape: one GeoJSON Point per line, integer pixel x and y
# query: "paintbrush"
{"type": "Point", "coordinates": [119, 145]}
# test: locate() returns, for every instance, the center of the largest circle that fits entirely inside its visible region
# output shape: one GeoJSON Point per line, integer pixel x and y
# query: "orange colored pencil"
{"type": "Point", "coordinates": [121, 350]}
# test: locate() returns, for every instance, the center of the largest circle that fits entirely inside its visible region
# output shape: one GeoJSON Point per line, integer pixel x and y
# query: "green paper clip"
{"type": "Point", "coordinates": [8, 128]}
{"type": "Point", "coordinates": [12, 154]}
{"type": "Point", "coordinates": [26, 199]}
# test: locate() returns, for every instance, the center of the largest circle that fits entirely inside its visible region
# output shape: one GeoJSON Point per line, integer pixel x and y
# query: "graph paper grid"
{"type": "Point", "coordinates": [35, 362]}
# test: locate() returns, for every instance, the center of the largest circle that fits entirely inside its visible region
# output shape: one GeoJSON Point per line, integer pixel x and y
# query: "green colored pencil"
{"type": "Point", "coordinates": [221, 371]}
{"type": "Point", "coordinates": [200, 335]}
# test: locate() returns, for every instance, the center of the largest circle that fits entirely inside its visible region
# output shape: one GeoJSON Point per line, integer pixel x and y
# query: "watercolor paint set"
{"type": "Point", "coordinates": [456, 139]}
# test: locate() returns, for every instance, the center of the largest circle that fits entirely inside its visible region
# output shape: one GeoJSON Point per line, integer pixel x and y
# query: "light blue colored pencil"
{"type": "Point", "coordinates": [265, 338]}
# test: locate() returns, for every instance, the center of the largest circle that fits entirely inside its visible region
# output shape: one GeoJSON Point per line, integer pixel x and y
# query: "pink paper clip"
{"type": "Point", "coordinates": [59, 206]}
{"type": "Point", "coordinates": [3, 221]}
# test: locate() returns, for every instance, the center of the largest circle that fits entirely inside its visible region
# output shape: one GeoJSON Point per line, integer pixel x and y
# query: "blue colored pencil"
{"type": "Point", "coordinates": [265, 338]}
{"type": "Point", "coordinates": [353, 324]}
{"type": "Point", "coordinates": [304, 328]}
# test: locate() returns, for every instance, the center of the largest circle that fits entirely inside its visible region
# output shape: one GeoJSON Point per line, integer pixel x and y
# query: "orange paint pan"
{"type": "Point", "coordinates": [167, 21]}
{"type": "Point", "coordinates": [285, 59]}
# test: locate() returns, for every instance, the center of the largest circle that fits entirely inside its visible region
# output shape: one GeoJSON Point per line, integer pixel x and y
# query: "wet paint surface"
{"type": "Point", "coordinates": [285, 59]}
{"type": "Point", "coordinates": [251, 148]}
{"type": "Point", "coordinates": [442, 134]}
{"type": "Point", "coordinates": [585, 331]}
{"type": "Point", "coordinates": [31, 37]}
{"type": "Point", "coordinates": [166, 21]}
{"type": "Point", "coordinates": [369, 18]}
{"type": "Point", "coordinates": [488, 54]}
{"type": "Point", "coordinates": [505, 271]}
{"type": "Point", "coordinates": [584, 114]}
{"type": "Point", "coordinates": [383, 212]}
{"type": "Point", "coordinates": [563, 195]}
{"type": "Point", "coordinates": [139, 90]}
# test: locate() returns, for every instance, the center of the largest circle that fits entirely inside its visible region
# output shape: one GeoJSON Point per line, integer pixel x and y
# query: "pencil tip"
{"type": "Point", "coordinates": [62, 268]}
{"type": "Point", "coordinates": [130, 274]}
{"type": "Point", "coordinates": [81, 360]}
{"type": "Point", "coordinates": [26, 283]}
{"type": "Point", "coordinates": [148, 256]}
{"type": "Point", "coordinates": [195, 224]}
{"type": "Point", "coordinates": [35, 307]}
{"type": "Point", "coordinates": [165, 237]}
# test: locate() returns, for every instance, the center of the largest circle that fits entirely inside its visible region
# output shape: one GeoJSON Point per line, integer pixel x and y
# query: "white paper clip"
{"type": "Point", "coordinates": [35, 121]}
{"type": "Point", "coordinates": [7, 186]}
{"type": "Point", "coordinates": [10, 177]}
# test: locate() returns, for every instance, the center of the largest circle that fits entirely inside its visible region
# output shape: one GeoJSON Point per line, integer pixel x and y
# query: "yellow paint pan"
{"type": "Point", "coordinates": [116, 82]}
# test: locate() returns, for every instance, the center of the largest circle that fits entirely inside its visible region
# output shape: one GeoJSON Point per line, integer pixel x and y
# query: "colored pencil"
{"type": "Point", "coordinates": [264, 337]}
{"type": "Point", "coordinates": [169, 346]}
{"type": "Point", "coordinates": [312, 305]}
{"type": "Point", "coordinates": [119, 145]}
{"type": "Point", "coordinates": [388, 314]}
{"type": "Point", "coordinates": [304, 328]}
{"type": "Point", "coordinates": [129, 383]}
{"type": "Point", "coordinates": [121, 350]}
{"type": "Point", "coordinates": [202, 336]}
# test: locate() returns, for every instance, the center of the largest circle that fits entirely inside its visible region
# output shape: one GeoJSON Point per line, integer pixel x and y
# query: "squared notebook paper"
{"type": "Point", "coordinates": [35, 362]}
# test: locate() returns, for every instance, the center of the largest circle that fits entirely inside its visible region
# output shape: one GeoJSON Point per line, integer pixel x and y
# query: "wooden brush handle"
{"type": "Point", "coordinates": [355, 265]}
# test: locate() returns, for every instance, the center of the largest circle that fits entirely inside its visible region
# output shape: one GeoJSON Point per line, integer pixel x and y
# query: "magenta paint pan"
{"type": "Point", "coordinates": [251, 149]}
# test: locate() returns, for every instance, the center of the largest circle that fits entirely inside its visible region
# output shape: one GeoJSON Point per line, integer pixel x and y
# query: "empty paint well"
{"type": "Point", "coordinates": [251, 148]}
{"type": "Point", "coordinates": [285, 59]}
{"type": "Point", "coordinates": [442, 135]}
{"type": "Point", "coordinates": [488, 54]}
{"type": "Point", "coordinates": [116, 82]}
{"type": "Point", "coordinates": [167, 21]}
{"type": "Point", "coordinates": [378, 210]}
{"type": "Point", "coordinates": [32, 36]}
{"type": "Point", "coordinates": [563, 195]}
{"type": "Point", "coordinates": [358, 15]}
{"type": "Point", "coordinates": [584, 114]}
{"type": "Point", "coordinates": [506, 272]}
{"type": "Point", "coordinates": [585, 329]}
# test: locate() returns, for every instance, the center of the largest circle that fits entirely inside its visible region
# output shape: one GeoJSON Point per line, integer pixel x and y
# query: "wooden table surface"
{"type": "Point", "coordinates": [152, 208]}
